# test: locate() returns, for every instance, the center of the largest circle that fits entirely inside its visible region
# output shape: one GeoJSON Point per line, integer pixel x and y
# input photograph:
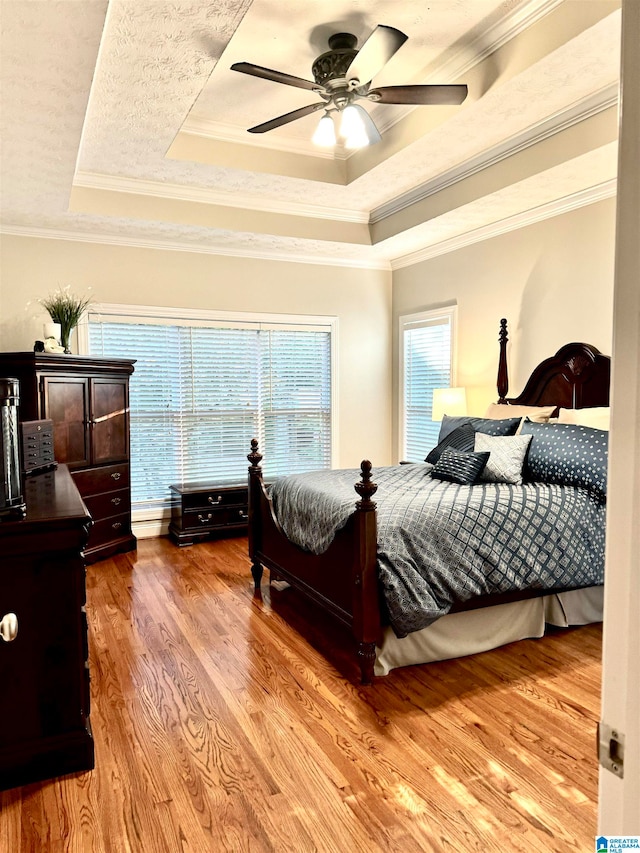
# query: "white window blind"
{"type": "Point", "coordinates": [199, 394]}
{"type": "Point", "coordinates": [426, 359]}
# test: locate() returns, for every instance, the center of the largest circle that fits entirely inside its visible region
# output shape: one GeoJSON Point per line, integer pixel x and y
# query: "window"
{"type": "Point", "coordinates": [204, 385]}
{"type": "Point", "coordinates": [426, 362]}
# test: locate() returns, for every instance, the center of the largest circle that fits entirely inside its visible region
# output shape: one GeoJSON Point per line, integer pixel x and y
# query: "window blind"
{"type": "Point", "coordinates": [199, 394]}
{"type": "Point", "coordinates": [427, 364]}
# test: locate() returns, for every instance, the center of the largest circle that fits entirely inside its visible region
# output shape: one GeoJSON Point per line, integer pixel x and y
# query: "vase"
{"type": "Point", "coordinates": [52, 330]}
{"type": "Point", "coordinates": [65, 335]}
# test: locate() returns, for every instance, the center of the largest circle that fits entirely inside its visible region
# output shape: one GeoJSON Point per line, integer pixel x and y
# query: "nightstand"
{"type": "Point", "coordinates": [203, 510]}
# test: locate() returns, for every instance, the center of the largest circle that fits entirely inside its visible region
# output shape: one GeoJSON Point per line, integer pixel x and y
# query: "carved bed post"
{"type": "Point", "coordinates": [255, 532]}
{"type": "Point", "coordinates": [503, 377]}
{"type": "Point", "coordinates": [366, 605]}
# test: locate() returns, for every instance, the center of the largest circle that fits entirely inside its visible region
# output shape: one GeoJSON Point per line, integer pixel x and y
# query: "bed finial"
{"type": "Point", "coordinates": [365, 488]}
{"type": "Point", "coordinates": [503, 377]}
{"type": "Point", "coordinates": [254, 457]}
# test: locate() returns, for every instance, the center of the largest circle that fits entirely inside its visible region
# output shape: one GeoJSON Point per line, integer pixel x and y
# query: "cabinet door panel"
{"type": "Point", "coordinates": [110, 421]}
{"type": "Point", "coordinates": [66, 403]}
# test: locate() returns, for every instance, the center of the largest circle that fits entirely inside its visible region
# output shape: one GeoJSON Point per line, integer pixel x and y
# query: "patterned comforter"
{"type": "Point", "coordinates": [441, 543]}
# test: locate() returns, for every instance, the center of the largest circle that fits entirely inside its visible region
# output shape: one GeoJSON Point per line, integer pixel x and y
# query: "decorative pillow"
{"type": "Point", "coordinates": [489, 426]}
{"type": "Point", "coordinates": [539, 414]}
{"type": "Point", "coordinates": [457, 467]}
{"type": "Point", "coordinates": [596, 417]}
{"type": "Point", "coordinates": [460, 438]}
{"type": "Point", "coordinates": [507, 457]}
{"type": "Point", "coordinates": [568, 454]}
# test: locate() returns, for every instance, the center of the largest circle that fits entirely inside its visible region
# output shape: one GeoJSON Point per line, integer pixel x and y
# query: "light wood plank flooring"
{"type": "Point", "coordinates": [220, 727]}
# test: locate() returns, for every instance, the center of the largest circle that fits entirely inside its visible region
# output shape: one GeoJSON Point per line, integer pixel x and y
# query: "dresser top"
{"type": "Point", "coordinates": [70, 363]}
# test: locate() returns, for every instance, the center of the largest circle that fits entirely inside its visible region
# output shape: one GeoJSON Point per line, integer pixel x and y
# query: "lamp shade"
{"type": "Point", "coordinates": [325, 135]}
{"type": "Point", "coordinates": [357, 128]}
{"type": "Point", "coordinates": [448, 401]}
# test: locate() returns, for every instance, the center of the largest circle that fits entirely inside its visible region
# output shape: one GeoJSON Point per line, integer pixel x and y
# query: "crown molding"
{"type": "Point", "coordinates": [491, 39]}
{"type": "Point", "coordinates": [581, 198]}
{"type": "Point", "coordinates": [203, 195]}
{"type": "Point", "coordinates": [177, 246]}
{"type": "Point", "coordinates": [534, 134]}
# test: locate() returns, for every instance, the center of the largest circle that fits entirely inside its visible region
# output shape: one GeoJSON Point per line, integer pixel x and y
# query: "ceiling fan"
{"type": "Point", "coordinates": [342, 76]}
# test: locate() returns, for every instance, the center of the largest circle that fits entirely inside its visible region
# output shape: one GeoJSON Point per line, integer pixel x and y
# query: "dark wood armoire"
{"type": "Point", "coordinates": [87, 399]}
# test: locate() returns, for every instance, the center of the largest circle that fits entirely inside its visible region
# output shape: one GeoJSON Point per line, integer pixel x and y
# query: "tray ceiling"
{"type": "Point", "coordinates": [122, 122]}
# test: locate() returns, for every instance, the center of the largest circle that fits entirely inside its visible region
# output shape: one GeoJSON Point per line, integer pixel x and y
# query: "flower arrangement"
{"type": "Point", "coordinates": [66, 308]}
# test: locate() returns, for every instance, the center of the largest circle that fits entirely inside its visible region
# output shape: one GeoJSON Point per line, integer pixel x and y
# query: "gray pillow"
{"type": "Point", "coordinates": [506, 459]}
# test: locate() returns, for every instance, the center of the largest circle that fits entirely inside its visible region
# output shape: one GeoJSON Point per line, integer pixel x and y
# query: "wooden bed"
{"type": "Point", "coordinates": [343, 580]}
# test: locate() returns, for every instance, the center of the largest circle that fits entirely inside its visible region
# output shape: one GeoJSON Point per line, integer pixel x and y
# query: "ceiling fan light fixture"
{"type": "Point", "coordinates": [325, 133]}
{"type": "Point", "coordinates": [357, 130]}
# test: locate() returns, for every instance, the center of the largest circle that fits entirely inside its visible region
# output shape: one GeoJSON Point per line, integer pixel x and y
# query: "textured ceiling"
{"type": "Point", "coordinates": [96, 96]}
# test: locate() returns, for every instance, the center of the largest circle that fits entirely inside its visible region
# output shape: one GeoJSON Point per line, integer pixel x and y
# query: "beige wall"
{"type": "Point", "coordinates": [553, 281]}
{"type": "Point", "coordinates": [361, 299]}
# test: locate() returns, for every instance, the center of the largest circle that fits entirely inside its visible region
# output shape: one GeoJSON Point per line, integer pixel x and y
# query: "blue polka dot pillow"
{"type": "Point", "coordinates": [568, 454]}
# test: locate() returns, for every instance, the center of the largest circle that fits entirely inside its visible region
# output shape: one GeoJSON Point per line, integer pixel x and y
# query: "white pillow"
{"type": "Point", "coordinates": [539, 414]}
{"type": "Point", "coordinates": [506, 457]}
{"type": "Point", "coordinates": [596, 417]}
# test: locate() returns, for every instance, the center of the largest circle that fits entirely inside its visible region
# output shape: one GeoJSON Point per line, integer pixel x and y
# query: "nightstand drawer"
{"type": "Point", "coordinates": [212, 519]}
{"type": "Point", "coordinates": [201, 510]}
{"type": "Point", "coordinates": [211, 499]}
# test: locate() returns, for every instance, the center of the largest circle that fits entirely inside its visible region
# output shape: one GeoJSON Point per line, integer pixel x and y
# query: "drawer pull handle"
{"type": "Point", "coordinates": [116, 475]}
{"type": "Point", "coordinates": [9, 627]}
{"type": "Point", "coordinates": [214, 501]}
{"type": "Point", "coordinates": [116, 501]}
{"type": "Point", "coordinates": [243, 515]}
{"type": "Point", "coordinates": [204, 518]}
{"type": "Point", "coordinates": [117, 525]}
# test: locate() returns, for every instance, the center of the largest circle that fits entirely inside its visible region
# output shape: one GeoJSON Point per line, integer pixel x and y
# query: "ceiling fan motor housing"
{"type": "Point", "coordinates": [334, 64]}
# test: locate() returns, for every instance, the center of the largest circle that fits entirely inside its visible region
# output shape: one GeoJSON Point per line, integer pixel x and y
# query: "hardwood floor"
{"type": "Point", "coordinates": [219, 727]}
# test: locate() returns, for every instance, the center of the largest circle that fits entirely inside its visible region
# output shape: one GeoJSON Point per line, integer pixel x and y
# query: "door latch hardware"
{"type": "Point", "coordinates": [611, 749]}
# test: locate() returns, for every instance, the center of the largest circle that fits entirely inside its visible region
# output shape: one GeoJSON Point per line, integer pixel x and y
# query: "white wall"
{"type": "Point", "coordinates": [553, 281]}
{"type": "Point", "coordinates": [361, 299]}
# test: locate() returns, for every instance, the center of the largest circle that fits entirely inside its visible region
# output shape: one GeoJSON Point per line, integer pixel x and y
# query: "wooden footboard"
{"type": "Point", "coordinates": [343, 580]}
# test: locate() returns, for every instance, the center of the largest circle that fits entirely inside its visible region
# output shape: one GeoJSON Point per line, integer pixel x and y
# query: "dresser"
{"type": "Point", "coordinates": [86, 399]}
{"type": "Point", "coordinates": [204, 510]}
{"type": "Point", "coordinates": [44, 675]}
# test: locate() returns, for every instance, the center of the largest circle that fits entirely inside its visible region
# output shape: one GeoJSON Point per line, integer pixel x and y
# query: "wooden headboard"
{"type": "Point", "coordinates": [577, 376]}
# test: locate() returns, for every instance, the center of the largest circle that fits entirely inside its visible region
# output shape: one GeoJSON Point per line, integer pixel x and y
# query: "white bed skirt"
{"type": "Point", "coordinates": [473, 631]}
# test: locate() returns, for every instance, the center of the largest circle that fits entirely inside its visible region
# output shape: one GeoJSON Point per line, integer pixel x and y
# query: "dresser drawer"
{"type": "Point", "coordinates": [93, 481]}
{"type": "Point", "coordinates": [109, 503]}
{"type": "Point", "coordinates": [109, 529]}
{"type": "Point", "coordinates": [213, 499]}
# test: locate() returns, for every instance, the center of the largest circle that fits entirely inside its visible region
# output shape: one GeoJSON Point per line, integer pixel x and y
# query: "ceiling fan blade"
{"type": "Point", "coordinates": [276, 76]}
{"type": "Point", "coordinates": [374, 54]}
{"type": "Point", "coordinates": [434, 95]}
{"type": "Point", "coordinates": [287, 117]}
